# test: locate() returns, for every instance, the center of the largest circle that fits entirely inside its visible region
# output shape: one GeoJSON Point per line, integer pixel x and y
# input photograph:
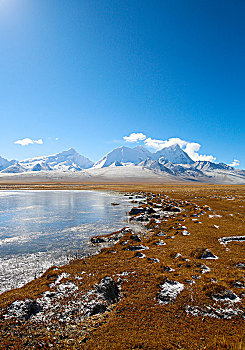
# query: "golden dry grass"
{"type": "Point", "coordinates": [138, 321]}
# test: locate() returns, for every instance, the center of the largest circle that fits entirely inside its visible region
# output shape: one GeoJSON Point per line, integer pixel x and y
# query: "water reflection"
{"type": "Point", "coordinates": [38, 228]}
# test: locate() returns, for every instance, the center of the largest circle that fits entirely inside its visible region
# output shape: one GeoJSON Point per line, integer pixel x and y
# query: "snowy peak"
{"type": "Point", "coordinates": [142, 150]}
{"type": "Point", "coordinates": [4, 163]}
{"type": "Point", "coordinates": [13, 168]}
{"type": "Point", "coordinates": [170, 162]}
{"type": "Point", "coordinates": [123, 155]}
{"type": "Point", "coordinates": [155, 165]}
{"type": "Point", "coordinates": [69, 160]}
{"type": "Point", "coordinates": [66, 160]}
{"type": "Point", "coordinates": [174, 154]}
{"type": "Point", "coordinates": [207, 165]}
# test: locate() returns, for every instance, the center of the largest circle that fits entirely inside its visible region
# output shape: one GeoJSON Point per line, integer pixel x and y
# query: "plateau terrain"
{"type": "Point", "coordinates": [123, 164]}
{"type": "Point", "coordinates": [176, 284]}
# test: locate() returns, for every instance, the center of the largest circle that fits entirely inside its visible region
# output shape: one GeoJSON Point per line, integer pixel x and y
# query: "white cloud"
{"type": "Point", "coordinates": [159, 144]}
{"type": "Point", "coordinates": [191, 148]}
{"type": "Point", "coordinates": [56, 139]}
{"type": "Point", "coordinates": [135, 137]}
{"type": "Point", "coordinates": [235, 163]}
{"type": "Point", "coordinates": [153, 143]}
{"type": "Point", "coordinates": [27, 141]}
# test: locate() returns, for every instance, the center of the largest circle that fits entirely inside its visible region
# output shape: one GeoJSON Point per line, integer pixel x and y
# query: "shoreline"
{"type": "Point", "coordinates": [23, 259]}
{"type": "Point", "coordinates": [167, 292]}
{"type": "Point", "coordinates": [118, 187]}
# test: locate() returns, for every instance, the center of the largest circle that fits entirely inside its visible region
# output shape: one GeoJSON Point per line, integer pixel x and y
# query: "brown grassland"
{"type": "Point", "coordinates": [137, 320]}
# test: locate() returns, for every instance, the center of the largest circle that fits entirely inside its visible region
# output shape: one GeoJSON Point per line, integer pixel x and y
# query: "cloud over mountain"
{"type": "Point", "coordinates": [170, 163]}
{"type": "Point", "coordinates": [191, 148]}
{"type": "Point", "coordinates": [235, 163]}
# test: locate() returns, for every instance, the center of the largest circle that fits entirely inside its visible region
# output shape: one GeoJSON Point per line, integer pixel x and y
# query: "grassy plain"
{"type": "Point", "coordinates": [196, 319]}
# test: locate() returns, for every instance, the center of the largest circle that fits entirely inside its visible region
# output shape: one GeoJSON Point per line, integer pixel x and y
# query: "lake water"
{"type": "Point", "coordinates": [41, 228]}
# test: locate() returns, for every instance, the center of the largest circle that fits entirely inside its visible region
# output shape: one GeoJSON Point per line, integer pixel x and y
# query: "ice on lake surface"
{"type": "Point", "coordinates": [39, 229]}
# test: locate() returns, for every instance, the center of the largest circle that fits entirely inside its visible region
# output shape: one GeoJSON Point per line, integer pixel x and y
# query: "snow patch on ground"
{"type": "Point", "coordinates": [161, 242]}
{"type": "Point", "coordinates": [185, 233]}
{"type": "Point", "coordinates": [210, 311]}
{"type": "Point", "coordinates": [54, 306]}
{"type": "Point", "coordinates": [226, 296]}
{"type": "Point", "coordinates": [205, 268]}
{"type": "Point", "coordinates": [169, 291]}
{"type": "Point", "coordinates": [225, 240]}
{"type": "Point", "coordinates": [59, 278]}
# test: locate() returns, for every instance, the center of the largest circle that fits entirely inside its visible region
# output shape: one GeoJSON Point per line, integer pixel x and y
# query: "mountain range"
{"type": "Point", "coordinates": [69, 160]}
{"type": "Point", "coordinates": [170, 163]}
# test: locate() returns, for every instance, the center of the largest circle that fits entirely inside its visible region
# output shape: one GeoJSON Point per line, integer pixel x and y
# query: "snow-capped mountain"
{"type": "Point", "coordinates": [173, 154]}
{"type": "Point", "coordinates": [4, 163]}
{"type": "Point", "coordinates": [69, 160]}
{"type": "Point", "coordinates": [123, 164]}
{"type": "Point", "coordinates": [123, 156]}
{"type": "Point", "coordinates": [155, 165]}
{"type": "Point", "coordinates": [203, 171]}
{"type": "Point", "coordinates": [126, 156]}
{"type": "Point", "coordinates": [207, 165]}
{"type": "Point", "coordinates": [183, 170]}
{"type": "Point", "coordinates": [15, 168]}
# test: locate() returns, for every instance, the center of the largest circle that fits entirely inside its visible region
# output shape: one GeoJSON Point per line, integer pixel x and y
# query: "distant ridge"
{"type": "Point", "coordinates": [174, 154]}
{"type": "Point", "coordinates": [124, 156]}
{"type": "Point", "coordinates": [124, 164]}
{"type": "Point", "coordinates": [69, 160]}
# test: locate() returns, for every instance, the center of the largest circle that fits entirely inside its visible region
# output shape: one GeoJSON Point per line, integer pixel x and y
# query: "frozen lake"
{"type": "Point", "coordinates": [41, 228]}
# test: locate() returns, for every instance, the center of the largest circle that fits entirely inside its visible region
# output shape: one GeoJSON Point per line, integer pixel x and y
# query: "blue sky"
{"type": "Point", "coordinates": [84, 74]}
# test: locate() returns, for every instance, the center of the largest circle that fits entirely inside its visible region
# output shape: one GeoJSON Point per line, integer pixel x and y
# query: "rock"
{"type": "Point", "coordinates": [225, 295]}
{"type": "Point", "coordinates": [204, 268]}
{"type": "Point", "coordinates": [156, 216]}
{"type": "Point", "coordinates": [160, 234]}
{"type": "Point", "coordinates": [108, 289]}
{"type": "Point", "coordinates": [240, 265]}
{"type": "Point", "coordinates": [167, 269]}
{"type": "Point", "coordinates": [238, 284]}
{"type": "Point", "coordinates": [169, 291]}
{"type": "Point", "coordinates": [203, 253]}
{"type": "Point", "coordinates": [139, 255]}
{"type": "Point", "coordinates": [161, 242]}
{"type": "Point", "coordinates": [141, 218]}
{"type": "Point", "coordinates": [23, 310]}
{"type": "Point", "coordinates": [135, 211]}
{"type": "Point", "coordinates": [154, 260]}
{"type": "Point", "coordinates": [95, 308]}
{"type": "Point", "coordinates": [185, 233]}
{"type": "Point", "coordinates": [171, 208]}
{"type": "Point", "coordinates": [225, 240]}
{"type": "Point", "coordinates": [158, 205]}
{"type": "Point", "coordinates": [136, 247]}
{"type": "Point", "coordinates": [135, 238]}
{"type": "Point", "coordinates": [97, 240]}
{"type": "Point", "coordinates": [150, 210]}
{"type": "Point", "coordinates": [210, 311]}
{"type": "Point", "coordinates": [190, 281]}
